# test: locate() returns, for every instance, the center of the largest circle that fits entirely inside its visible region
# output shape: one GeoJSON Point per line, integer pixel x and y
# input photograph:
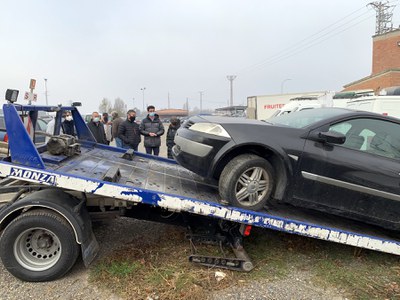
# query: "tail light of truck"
{"type": "Point", "coordinates": [5, 139]}
{"type": "Point", "coordinates": [247, 230]}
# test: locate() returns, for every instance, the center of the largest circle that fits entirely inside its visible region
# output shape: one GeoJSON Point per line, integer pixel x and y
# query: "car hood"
{"type": "Point", "coordinates": [226, 120]}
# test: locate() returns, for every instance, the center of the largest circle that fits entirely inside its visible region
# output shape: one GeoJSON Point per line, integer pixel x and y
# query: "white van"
{"type": "Point", "coordinates": [297, 105]}
{"type": "Point", "coordinates": [385, 105]}
{"type": "Point", "coordinates": [310, 102]}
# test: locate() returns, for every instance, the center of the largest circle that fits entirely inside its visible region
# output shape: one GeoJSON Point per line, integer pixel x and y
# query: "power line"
{"type": "Point", "coordinates": [294, 49]}
{"type": "Point", "coordinates": [302, 43]}
{"type": "Point", "coordinates": [301, 49]}
{"type": "Point", "coordinates": [311, 41]}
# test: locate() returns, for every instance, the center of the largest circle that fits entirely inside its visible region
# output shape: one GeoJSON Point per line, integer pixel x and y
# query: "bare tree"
{"type": "Point", "coordinates": [105, 106]}
{"type": "Point", "coordinates": [119, 107]}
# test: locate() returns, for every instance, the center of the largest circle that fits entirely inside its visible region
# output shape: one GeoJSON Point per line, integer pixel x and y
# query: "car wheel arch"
{"type": "Point", "coordinates": [279, 161]}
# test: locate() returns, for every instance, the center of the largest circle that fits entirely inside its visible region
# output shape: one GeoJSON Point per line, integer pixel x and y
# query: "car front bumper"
{"type": "Point", "coordinates": [197, 151]}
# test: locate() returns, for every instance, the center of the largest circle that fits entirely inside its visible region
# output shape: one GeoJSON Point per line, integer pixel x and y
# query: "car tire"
{"type": "Point", "coordinates": [247, 181]}
{"type": "Point", "coordinates": [38, 245]}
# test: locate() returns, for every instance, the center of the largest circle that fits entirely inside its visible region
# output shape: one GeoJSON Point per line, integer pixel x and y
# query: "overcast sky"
{"type": "Point", "coordinates": [89, 50]}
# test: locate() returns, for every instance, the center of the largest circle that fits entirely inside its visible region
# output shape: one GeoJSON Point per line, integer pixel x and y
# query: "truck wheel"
{"type": "Point", "coordinates": [38, 245]}
{"type": "Point", "coordinates": [247, 181]}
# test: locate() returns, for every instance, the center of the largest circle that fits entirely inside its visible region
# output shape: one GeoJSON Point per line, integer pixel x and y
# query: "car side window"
{"type": "Point", "coordinates": [342, 128]}
{"type": "Point", "coordinates": [378, 137]}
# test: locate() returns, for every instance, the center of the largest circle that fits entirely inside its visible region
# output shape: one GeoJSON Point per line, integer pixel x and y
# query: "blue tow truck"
{"type": "Point", "coordinates": [50, 192]}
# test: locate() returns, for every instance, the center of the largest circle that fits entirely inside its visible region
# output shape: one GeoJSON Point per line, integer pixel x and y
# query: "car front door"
{"type": "Point", "coordinates": [358, 178]}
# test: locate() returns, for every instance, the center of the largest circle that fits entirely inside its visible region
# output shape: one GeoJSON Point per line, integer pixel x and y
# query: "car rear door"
{"type": "Point", "coordinates": [360, 176]}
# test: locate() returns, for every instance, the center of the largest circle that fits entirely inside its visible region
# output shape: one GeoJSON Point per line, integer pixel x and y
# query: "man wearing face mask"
{"type": "Point", "coordinates": [152, 128]}
{"type": "Point", "coordinates": [174, 125]}
{"type": "Point", "coordinates": [68, 125]}
{"type": "Point", "coordinates": [97, 128]}
{"type": "Point", "coordinates": [129, 133]}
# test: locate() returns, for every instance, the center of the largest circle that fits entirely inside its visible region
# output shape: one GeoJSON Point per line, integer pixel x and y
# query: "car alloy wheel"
{"type": "Point", "coordinates": [247, 181]}
{"type": "Point", "coordinates": [252, 186]}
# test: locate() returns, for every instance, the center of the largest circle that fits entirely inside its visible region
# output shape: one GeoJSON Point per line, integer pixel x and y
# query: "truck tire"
{"type": "Point", "coordinates": [247, 181]}
{"type": "Point", "coordinates": [38, 245]}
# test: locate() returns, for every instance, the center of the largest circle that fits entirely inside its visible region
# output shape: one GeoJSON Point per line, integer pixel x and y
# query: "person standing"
{"type": "Point", "coordinates": [152, 128]}
{"type": "Point", "coordinates": [174, 125]}
{"type": "Point", "coordinates": [116, 122]}
{"type": "Point", "coordinates": [68, 125]}
{"type": "Point", "coordinates": [97, 129]}
{"type": "Point", "coordinates": [129, 132]}
{"type": "Point", "coordinates": [107, 127]}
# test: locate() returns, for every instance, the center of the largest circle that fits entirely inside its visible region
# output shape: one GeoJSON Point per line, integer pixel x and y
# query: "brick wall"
{"type": "Point", "coordinates": [386, 52]}
{"type": "Point", "coordinates": [387, 79]}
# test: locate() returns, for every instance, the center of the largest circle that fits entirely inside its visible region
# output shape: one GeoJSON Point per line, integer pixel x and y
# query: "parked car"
{"type": "Point", "coordinates": [41, 126]}
{"type": "Point", "coordinates": [335, 160]}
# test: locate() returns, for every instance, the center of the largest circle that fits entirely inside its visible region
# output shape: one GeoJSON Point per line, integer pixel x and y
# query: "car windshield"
{"type": "Point", "coordinates": [305, 118]}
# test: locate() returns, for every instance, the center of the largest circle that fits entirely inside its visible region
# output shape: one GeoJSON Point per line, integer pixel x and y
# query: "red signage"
{"type": "Point", "coordinates": [32, 84]}
{"type": "Point", "coordinates": [273, 106]}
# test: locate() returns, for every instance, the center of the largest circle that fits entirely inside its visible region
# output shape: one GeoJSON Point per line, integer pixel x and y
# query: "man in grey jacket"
{"type": "Point", "coordinates": [152, 128]}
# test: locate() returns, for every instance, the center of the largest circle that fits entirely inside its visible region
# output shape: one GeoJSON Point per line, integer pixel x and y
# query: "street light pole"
{"type": "Point", "coordinates": [142, 89]}
{"type": "Point", "coordinates": [45, 90]}
{"type": "Point", "coordinates": [201, 101]}
{"type": "Point", "coordinates": [231, 78]}
{"type": "Point", "coordinates": [133, 102]}
{"type": "Point", "coordinates": [283, 81]}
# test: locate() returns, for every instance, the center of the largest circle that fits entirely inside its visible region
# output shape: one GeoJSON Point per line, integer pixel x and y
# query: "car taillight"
{"type": "Point", "coordinates": [5, 139]}
{"type": "Point", "coordinates": [385, 114]}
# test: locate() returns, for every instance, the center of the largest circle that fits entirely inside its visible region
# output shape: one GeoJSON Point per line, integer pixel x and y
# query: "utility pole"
{"type": "Point", "coordinates": [133, 102]}
{"type": "Point", "coordinates": [187, 105]}
{"type": "Point", "coordinates": [201, 101]}
{"type": "Point", "coordinates": [231, 78]}
{"type": "Point", "coordinates": [142, 89]}
{"type": "Point", "coordinates": [384, 14]}
{"type": "Point", "coordinates": [45, 91]}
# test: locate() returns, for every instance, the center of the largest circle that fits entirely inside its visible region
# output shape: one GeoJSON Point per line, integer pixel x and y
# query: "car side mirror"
{"type": "Point", "coordinates": [332, 137]}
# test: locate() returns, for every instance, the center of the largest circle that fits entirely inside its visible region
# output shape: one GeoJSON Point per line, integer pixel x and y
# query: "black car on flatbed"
{"type": "Point", "coordinates": [335, 160]}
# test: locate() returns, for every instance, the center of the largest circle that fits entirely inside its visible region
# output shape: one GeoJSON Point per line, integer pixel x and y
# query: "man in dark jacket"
{"type": "Point", "coordinates": [68, 125]}
{"type": "Point", "coordinates": [152, 128]}
{"type": "Point", "coordinates": [97, 128]}
{"type": "Point", "coordinates": [116, 122]}
{"type": "Point", "coordinates": [174, 125]}
{"type": "Point", "coordinates": [128, 131]}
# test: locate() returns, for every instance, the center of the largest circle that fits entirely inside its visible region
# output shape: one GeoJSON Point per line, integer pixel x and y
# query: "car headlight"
{"type": "Point", "coordinates": [210, 128]}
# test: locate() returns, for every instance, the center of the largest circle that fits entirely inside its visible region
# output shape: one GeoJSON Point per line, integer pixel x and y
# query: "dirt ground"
{"type": "Point", "coordinates": [115, 233]}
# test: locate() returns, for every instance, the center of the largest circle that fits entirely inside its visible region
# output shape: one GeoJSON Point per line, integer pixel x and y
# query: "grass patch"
{"type": "Point", "coordinates": [159, 267]}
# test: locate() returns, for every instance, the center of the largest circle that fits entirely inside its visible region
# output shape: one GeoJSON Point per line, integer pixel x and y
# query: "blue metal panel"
{"type": "Point", "coordinates": [82, 130]}
{"type": "Point", "coordinates": [42, 108]}
{"type": "Point", "coordinates": [23, 151]}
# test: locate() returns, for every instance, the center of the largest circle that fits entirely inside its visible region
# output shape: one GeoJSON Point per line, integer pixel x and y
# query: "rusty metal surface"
{"type": "Point", "coordinates": [141, 172]}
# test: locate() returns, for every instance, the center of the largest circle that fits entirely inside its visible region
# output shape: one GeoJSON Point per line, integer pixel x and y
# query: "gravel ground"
{"type": "Point", "coordinates": [113, 233]}
{"type": "Point", "coordinates": [297, 286]}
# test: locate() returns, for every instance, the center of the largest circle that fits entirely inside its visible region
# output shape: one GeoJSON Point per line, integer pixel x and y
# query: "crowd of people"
{"type": "Point", "coordinates": [128, 133]}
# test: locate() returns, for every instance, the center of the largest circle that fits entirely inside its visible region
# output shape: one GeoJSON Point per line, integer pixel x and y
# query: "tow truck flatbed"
{"type": "Point", "coordinates": [154, 182]}
{"type": "Point", "coordinates": [161, 182]}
